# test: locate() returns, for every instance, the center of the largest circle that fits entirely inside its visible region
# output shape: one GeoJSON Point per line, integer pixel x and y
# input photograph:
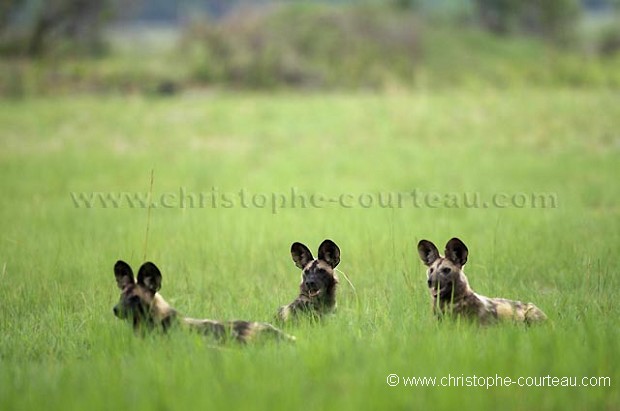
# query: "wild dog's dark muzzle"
{"type": "Point", "coordinates": [313, 287]}
{"type": "Point", "coordinates": [118, 311]}
{"type": "Point", "coordinates": [439, 288]}
{"type": "Point", "coordinates": [123, 311]}
{"type": "Point", "coordinates": [433, 281]}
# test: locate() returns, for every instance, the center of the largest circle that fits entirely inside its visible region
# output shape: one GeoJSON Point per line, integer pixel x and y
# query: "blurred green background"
{"type": "Point", "coordinates": [133, 46]}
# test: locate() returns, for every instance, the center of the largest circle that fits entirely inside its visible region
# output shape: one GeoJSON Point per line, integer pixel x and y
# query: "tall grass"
{"type": "Point", "coordinates": [61, 347]}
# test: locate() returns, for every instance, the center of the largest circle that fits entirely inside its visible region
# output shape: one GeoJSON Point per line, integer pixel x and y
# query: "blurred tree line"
{"type": "Point", "coordinates": [33, 28]}
{"type": "Point", "coordinates": [369, 44]}
{"type": "Point", "coordinates": [554, 19]}
{"type": "Point", "coordinates": [36, 27]}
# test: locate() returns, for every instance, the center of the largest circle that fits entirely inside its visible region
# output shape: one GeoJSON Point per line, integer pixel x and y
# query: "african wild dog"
{"type": "Point", "coordinates": [317, 291]}
{"type": "Point", "coordinates": [141, 304]}
{"type": "Point", "coordinates": [451, 292]}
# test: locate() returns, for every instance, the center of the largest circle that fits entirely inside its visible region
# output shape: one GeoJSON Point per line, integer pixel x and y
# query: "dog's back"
{"type": "Point", "coordinates": [238, 330]}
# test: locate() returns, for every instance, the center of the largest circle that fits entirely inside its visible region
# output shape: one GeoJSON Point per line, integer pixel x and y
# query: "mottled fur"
{"type": "Point", "coordinates": [141, 304]}
{"type": "Point", "coordinates": [451, 293]}
{"type": "Point", "coordinates": [317, 291]}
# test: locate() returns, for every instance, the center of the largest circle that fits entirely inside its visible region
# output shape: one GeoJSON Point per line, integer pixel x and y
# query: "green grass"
{"type": "Point", "coordinates": [61, 347]}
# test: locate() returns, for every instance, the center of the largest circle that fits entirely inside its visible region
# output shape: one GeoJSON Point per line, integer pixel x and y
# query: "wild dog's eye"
{"type": "Point", "coordinates": [430, 271]}
{"type": "Point", "coordinates": [445, 270]}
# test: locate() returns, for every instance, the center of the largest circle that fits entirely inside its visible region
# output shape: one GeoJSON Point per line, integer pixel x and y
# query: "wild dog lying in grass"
{"type": "Point", "coordinates": [451, 292]}
{"type": "Point", "coordinates": [317, 291]}
{"type": "Point", "coordinates": [141, 304]}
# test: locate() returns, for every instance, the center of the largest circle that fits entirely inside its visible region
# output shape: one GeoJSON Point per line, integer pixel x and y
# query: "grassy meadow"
{"type": "Point", "coordinates": [61, 348]}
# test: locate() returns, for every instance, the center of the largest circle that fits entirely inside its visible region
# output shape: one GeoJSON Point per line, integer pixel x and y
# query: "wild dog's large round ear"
{"type": "Point", "coordinates": [428, 252]}
{"type": "Point", "coordinates": [149, 276]}
{"type": "Point", "coordinates": [301, 255]}
{"type": "Point", "coordinates": [123, 274]}
{"type": "Point", "coordinates": [330, 253]}
{"type": "Point", "coordinates": [456, 251]}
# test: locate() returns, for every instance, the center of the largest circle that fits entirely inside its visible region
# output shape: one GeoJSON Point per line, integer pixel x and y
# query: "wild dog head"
{"type": "Point", "coordinates": [318, 281]}
{"type": "Point", "coordinates": [446, 279]}
{"type": "Point", "coordinates": [139, 301]}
